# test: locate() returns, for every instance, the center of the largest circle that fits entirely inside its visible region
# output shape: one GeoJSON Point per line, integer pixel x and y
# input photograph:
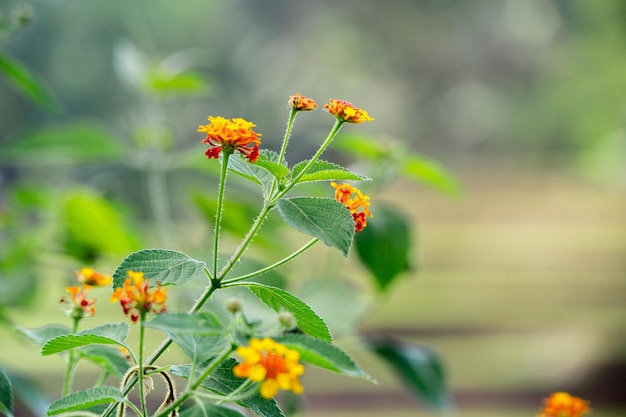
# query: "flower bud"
{"type": "Point", "coordinates": [234, 305]}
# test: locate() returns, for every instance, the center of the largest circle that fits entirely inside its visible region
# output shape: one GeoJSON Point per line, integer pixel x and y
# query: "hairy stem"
{"type": "Point", "coordinates": [220, 206]}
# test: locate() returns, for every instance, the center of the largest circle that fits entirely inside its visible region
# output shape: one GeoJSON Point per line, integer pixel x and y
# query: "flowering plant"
{"type": "Point", "coordinates": [234, 362]}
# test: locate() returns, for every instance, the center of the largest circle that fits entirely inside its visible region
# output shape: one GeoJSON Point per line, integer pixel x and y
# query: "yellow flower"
{"type": "Point", "coordinates": [272, 364]}
{"type": "Point", "coordinates": [347, 112]}
{"type": "Point", "coordinates": [90, 277]}
{"type": "Point", "coordinates": [136, 297]}
{"type": "Point", "coordinates": [82, 307]}
{"type": "Point", "coordinates": [302, 103]}
{"type": "Point", "coordinates": [228, 135]}
{"type": "Point", "coordinates": [355, 201]}
{"type": "Point", "coordinates": [562, 404]}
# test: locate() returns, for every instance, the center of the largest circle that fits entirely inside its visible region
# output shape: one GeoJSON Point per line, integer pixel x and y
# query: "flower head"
{"type": "Point", "coordinates": [302, 103]}
{"type": "Point", "coordinates": [272, 364]}
{"type": "Point", "coordinates": [137, 298]}
{"type": "Point", "coordinates": [355, 201]}
{"type": "Point", "coordinates": [92, 278]}
{"type": "Point", "coordinates": [347, 112]}
{"type": "Point", "coordinates": [227, 135]}
{"type": "Point", "coordinates": [81, 306]}
{"type": "Point", "coordinates": [562, 404]}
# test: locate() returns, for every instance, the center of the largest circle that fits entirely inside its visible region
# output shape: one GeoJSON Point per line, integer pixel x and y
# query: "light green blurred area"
{"type": "Point", "coordinates": [518, 283]}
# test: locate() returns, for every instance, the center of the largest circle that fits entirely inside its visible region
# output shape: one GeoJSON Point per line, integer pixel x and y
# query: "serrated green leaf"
{"type": "Point", "coordinates": [107, 334]}
{"type": "Point", "coordinates": [256, 172]}
{"type": "Point", "coordinates": [27, 83]}
{"type": "Point", "coordinates": [88, 398]}
{"type": "Point", "coordinates": [222, 381]}
{"type": "Point", "coordinates": [420, 369]}
{"type": "Point", "coordinates": [200, 323]}
{"type": "Point", "coordinates": [213, 410]}
{"type": "Point", "coordinates": [280, 300]}
{"type": "Point", "coordinates": [430, 173]}
{"type": "Point", "coordinates": [324, 171]}
{"type": "Point", "coordinates": [323, 354]}
{"type": "Point", "coordinates": [384, 246]}
{"type": "Point", "coordinates": [106, 357]}
{"type": "Point", "coordinates": [42, 334]}
{"type": "Point", "coordinates": [6, 394]}
{"type": "Point", "coordinates": [323, 218]}
{"type": "Point", "coordinates": [167, 267]}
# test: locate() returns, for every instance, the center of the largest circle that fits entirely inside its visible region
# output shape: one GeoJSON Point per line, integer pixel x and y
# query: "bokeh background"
{"type": "Point", "coordinates": [518, 248]}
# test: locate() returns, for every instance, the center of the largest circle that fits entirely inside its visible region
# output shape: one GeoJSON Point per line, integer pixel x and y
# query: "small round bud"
{"type": "Point", "coordinates": [287, 320]}
{"type": "Point", "coordinates": [234, 305]}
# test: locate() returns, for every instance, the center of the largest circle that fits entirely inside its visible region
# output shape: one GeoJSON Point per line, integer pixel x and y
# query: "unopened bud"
{"type": "Point", "coordinates": [287, 320]}
{"type": "Point", "coordinates": [234, 305]}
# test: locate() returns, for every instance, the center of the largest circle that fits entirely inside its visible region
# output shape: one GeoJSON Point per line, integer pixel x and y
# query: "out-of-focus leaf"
{"type": "Point", "coordinates": [42, 334]}
{"type": "Point", "coordinates": [6, 394]}
{"type": "Point", "coordinates": [76, 143]}
{"type": "Point", "coordinates": [430, 173]}
{"type": "Point", "coordinates": [88, 398]}
{"type": "Point", "coordinates": [94, 227]}
{"type": "Point", "coordinates": [167, 267]}
{"type": "Point", "coordinates": [106, 357]}
{"type": "Point", "coordinates": [208, 409]}
{"type": "Point", "coordinates": [27, 83]}
{"type": "Point", "coordinates": [323, 218]}
{"type": "Point", "coordinates": [363, 146]}
{"type": "Point", "coordinates": [187, 83]}
{"type": "Point", "coordinates": [383, 246]}
{"type": "Point", "coordinates": [420, 369]}
{"type": "Point", "coordinates": [200, 323]}
{"type": "Point", "coordinates": [29, 394]}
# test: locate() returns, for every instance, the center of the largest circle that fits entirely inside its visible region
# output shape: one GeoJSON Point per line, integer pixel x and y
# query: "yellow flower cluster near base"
{"type": "Point", "coordinates": [355, 201]}
{"type": "Point", "coordinates": [562, 404]}
{"type": "Point", "coordinates": [345, 111]}
{"type": "Point", "coordinates": [136, 297]}
{"type": "Point", "coordinates": [228, 135]}
{"type": "Point", "coordinates": [272, 364]}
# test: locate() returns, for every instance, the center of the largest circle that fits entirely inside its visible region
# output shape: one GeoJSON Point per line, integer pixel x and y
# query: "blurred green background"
{"type": "Point", "coordinates": [519, 228]}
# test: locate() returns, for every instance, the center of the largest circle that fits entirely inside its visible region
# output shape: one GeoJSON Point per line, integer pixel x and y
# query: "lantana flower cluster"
{"type": "Point", "coordinates": [562, 404]}
{"type": "Point", "coordinates": [81, 305]}
{"type": "Point", "coordinates": [137, 298]}
{"type": "Point", "coordinates": [355, 201]}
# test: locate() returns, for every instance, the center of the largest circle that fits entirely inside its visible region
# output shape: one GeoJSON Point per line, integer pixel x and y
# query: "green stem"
{"type": "Point", "coordinates": [292, 117]}
{"type": "Point", "coordinates": [71, 361]}
{"type": "Point", "coordinates": [272, 266]}
{"type": "Point", "coordinates": [218, 215]}
{"type": "Point", "coordinates": [142, 331]}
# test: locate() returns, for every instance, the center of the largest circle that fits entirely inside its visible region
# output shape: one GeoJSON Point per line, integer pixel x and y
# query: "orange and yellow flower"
{"type": "Point", "coordinates": [562, 404]}
{"type": "Point", "coordinates": [92, 278]}
{"type": "Point", "coordinates": [81, 306]}
{"type": "Point", "coordinates": [136, 297]}
{"type": "Point", "coordinates": [302, 103]}
{"type": "Point", "coordinates": [345, 111]}
{"type": "Point", "coordinates": [272, 364]}
{"type": "Point", "coordinates": [230, 135]}
{"type": "Point", "coordinates": [355, 201]}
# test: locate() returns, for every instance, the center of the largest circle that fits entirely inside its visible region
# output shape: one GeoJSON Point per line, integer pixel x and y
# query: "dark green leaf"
{"type": "Point", "coordinates": [431, 173]}
{"type": "Point", "coordinates": [106, 357]}
{"type": "Point", "coordinates": [280, 300]}
{"type": "Point", "coordinates": [223, 381]}
{"type": "Point", "coordinates": [324, 171]}
{"type": "Point", "coordinates": [420, 369]}
{"type": "Point", "coordinates": [165, 266]}
{"type": "Point", "coordinates": [207, 409]}
{"type": "Point", "coordinates": [200, 323]}
{"type": "Point", "coordinates": [41, 335]}
{"type": "Point", "coordinates": [107, 334]}
{"type": "Point", "coordinates": [323, 354]}
{"type": "Point", "coordinates": [86, 399]}
{"type": "Point", "coordinates": [6, 394]}
{"type": "Point", "coordinates": [263, 174]}
{"type": "Point", "coordinates": [384, 245]}
{"type": "Point", "coordinates": [323, 218]}
{"type": "Point", "coordinates": [27, 83]}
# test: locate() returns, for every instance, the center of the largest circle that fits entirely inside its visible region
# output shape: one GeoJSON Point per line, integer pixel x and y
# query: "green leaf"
{"type": "Point", "coordinates": [363, 146]}
{"type": "Point", "coordinates": [420, 369]}
{"type": "Point", "coordinates": [27, 83]}
{"type": "Point", "coordinates": [384, 245]}
{"type": "Point", "coordinates": [269, 160]}
{"type": "Point", "coordinates": [200, 335]}
{"type": "Point", "coordinates": [107, 334]}
{"type": "Point", "coordinates": [430, 173]}
{"type": "Point", "coordinates": [213, 410]}
{"type": "Point", "coordinates": [323, 218]}
{"type": "Point", "coordinates": [280, 300]}
{"type": "Point", "coordinates": [41, 335]}
{"type": "Point", "coordinates": [324, 171]}
{"type": "Point", "coordinates": [222, 381]}
{"type": "Point", "coordinates": [73, 143]}
{"type": "Point", "coordinates": [6, 394]}
{"type": "Point", "coordinates": [88, 398]}
{"type": "Point", "coordinates": [187, 83]}
{"type": "Point", "coordinates": [165, 266]}
{"type": "Point", "coordinates": [200, 323]}
{"type": "Point", "coordinates": [106, 357]}
{"type": "Point", "coordinates": [323, 354]}
{"type": "Point", "coordinates": [261, 173]}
